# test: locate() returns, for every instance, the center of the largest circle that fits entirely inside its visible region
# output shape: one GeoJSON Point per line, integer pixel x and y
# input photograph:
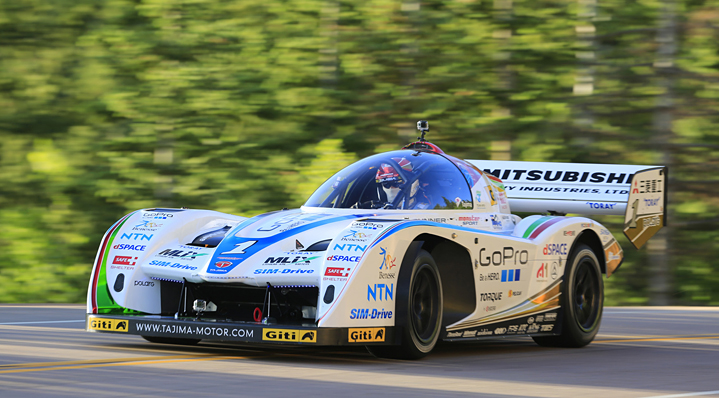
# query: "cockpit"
{"type": "Point", "coordinates": [399, 180]}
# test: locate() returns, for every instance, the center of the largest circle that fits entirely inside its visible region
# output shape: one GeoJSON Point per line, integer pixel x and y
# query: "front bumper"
{"type": "Point", "coordinates": [204, 329]}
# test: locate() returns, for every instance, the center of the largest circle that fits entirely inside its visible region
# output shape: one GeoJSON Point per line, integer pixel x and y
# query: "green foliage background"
{"type": "Point", "coordinates": [245, 106]}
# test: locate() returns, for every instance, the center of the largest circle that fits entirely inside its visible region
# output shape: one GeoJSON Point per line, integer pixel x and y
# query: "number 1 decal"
{"type": "Point", "coordinates": [633, 222]}
{"type": "Point", "coordinates": [241, 247]}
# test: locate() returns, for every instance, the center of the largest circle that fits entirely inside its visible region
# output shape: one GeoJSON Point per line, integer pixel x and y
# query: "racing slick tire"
{"type": "Point", "coordinates": [582, 300]}
{"type": "Point", "coordinates": [419, 307]}
{"type": "Point", "coordinates": [170, 340]}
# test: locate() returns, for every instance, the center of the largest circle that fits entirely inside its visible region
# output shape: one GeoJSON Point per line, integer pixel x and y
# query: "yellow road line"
{"type": "Point", "coordinates": [96, 361]}
{"type": "Point", "coordinates": [133, 363]}
{"type": "Point", "coordinates": [671, 338]}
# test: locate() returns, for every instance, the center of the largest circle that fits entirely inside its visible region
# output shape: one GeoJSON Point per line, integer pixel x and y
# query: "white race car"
{"type": "Point", "coordinates": [394, 252]}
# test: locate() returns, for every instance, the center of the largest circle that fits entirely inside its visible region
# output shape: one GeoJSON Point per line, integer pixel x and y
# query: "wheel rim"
{"type": "Point", "coordinates": [586, 295]}
{"type": "Point", "coordinates": [424, 307]}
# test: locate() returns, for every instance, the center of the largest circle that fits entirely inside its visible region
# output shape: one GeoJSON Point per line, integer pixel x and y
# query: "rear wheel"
{"type": "Point", "coordinates": [170, 340]}
{"type": "Point", "coordinates": [582, 301]}
{"type": "Point", "coordinates": [420, 301]}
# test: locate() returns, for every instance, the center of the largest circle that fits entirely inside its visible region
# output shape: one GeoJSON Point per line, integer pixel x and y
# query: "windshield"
{"type": "Point", "coordinates": [396, 180]}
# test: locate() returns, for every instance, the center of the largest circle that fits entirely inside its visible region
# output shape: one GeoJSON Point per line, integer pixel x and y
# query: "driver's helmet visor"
{"type": "Point", "coordinates": [388, 176]}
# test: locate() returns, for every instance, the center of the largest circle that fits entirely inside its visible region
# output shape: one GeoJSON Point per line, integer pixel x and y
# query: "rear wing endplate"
{"type": "Point", "coordinates": [637, 191]}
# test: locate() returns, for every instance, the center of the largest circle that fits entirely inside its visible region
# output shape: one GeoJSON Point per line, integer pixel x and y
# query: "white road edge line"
{"type": "Point", "coordinates": [689, 394]}
{"type": "Point", "coordinates": [27, 323]}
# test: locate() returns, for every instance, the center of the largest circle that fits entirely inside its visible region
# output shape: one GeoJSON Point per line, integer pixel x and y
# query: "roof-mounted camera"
{"type": "Point", "coordinates": [423, 127]}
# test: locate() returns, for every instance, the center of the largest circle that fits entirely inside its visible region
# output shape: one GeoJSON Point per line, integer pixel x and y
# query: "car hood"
{"type": "Point", "coordinates": [274, 247]}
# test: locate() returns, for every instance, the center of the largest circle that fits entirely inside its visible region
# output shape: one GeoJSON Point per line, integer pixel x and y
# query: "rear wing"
{"type": "Point", "coordinates": [639, 192]}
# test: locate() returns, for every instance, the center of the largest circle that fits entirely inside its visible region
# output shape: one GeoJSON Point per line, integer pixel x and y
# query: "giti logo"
{"type": "Point", "coordinates": [365, 335]}
{"type": "Point", "coordinates": [290, 335]}
{"type": "Point", "coordinates": [112, 325]}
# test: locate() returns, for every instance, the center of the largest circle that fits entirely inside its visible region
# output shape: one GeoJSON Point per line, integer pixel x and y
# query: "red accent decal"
{"type": "Point", "coordinates": [257, 315]}
{"type": "Point", "coordinates": [222, 264]}
{"type": "Point", "coordinates": [544, 226]}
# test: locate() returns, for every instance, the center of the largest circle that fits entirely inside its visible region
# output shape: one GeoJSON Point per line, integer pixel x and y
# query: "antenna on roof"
{"type": "Point", "coordinates": [422, 126]}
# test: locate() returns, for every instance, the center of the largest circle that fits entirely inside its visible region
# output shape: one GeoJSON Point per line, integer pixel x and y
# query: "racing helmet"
{"type": "Point", "coordinates": [390, 181]}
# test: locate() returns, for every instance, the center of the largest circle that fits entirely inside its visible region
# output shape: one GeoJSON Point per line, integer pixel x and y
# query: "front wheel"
{"type": "Point", "coordinates": [420, 301]}
{"type": "Point", "coordinates": [582, 301]}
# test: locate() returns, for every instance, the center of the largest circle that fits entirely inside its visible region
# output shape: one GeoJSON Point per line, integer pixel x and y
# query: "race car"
{"type": "Point", "coordinates": [394, 252]}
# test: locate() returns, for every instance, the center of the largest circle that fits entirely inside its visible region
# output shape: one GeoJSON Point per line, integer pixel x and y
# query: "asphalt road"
{"type": "Point", "coordinates": [640, 352]}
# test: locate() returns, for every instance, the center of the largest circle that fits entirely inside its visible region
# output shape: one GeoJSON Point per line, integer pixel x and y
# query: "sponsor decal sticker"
{"type": "Point", "coordinates": [387, 260]}
{"type": "Point", "coordinates": [290, 335]}
{"type": "Point", "coordinates": [283, 271]}
{"type": "Point", "coordinates": [180, 254]}
{"type": "Point", "coordinates": [124, 260]}
{"type": "Point", "coordinates": [370, 313]}
{"type": "Point", "coordinates": [337, 272]}
{"type": "Point", "coordinates": [600, 205]}
{"type": "Point", "coordinates": [380, 291]}
{"type": "Point", "coordinates": [193, 330]}
{"type": "Point", "coordinates": [223, 264]}
{"type": "Point", "coordinates": [146, 225]}
{"type": "Point", "coordinates": [470, 220]}
{"type": "Point", "coordinates": [137, 248]}
{"type": "Point", "coordinates": [492, 276]}
{"type": "Point", "coordinates": [510, 275]}
{"type": "Point", "coordinates": [170, 264]}
{"type": "Point", "coordinates": [354, 236]}
{"type": "Point", "coordinates": [289, 260]}
{"type": "Point", "coordinates": [112, 325]}
{"type": "Point", "coordinates": [553, 249]}
{"type": "Point", "coordinates": [337, 257]}
{"type": "Point", "coordinates": [350, 247]}
{"type": "Point", "coordinates": [501, 257]}
{"type": "Point", "coordinates": [136, 236]}
{"type": "Point", "coordinates": [157, 215]}
{"type": "Point", "coordinates": [497, 296]}
{"type": "Point", "coordinates": [365, 335]}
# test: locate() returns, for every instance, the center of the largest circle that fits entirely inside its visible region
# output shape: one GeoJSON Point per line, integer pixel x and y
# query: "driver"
{"type": "Point", "coordinates": [390, 181]}
{"type": "Point", "coordinates": [392, 184]}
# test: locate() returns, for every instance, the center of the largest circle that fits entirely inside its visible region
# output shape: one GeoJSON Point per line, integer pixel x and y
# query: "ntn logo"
{"type": "Point", "coordinates": [350, 247]}
{"type": "Point", "coordinates": [380, 291]}
{"type": "Point", "coordinates": [136, 236]}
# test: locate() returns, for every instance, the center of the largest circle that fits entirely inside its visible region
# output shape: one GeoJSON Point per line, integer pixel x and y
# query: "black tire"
{"type": "Point", "coordinates": [170, 340]}
{"type": "Point", "coordinates": [419, 307]}
{"type": "Point", "coordinates": [582, 301]}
